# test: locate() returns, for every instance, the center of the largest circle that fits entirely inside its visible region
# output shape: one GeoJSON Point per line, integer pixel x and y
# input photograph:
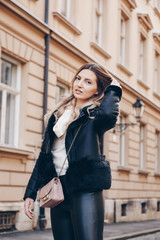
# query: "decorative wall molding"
{"type": "Point", "coordinates": [156, 36]}
{"type": "Point", "coordinates": [124, 69]}
{"type": "Point", "coordinates": [25, 15]}
{"type": "Point", "coordinates": [143, 84]}
{"type": "Point", "coordinates": [15, 151]}
{"type": "Point", "coordinates": [130, 4]}
{"type": "Point", "coordinates": [63, 72]}
{"type": "Point", "coordinates": [144, 18]}
{"type": "Point", "coordinates": [100, 50]}
{"type": "Point", "coordinates": [15, 46]}
{"type": "Point", "coordinates": [65, 21]}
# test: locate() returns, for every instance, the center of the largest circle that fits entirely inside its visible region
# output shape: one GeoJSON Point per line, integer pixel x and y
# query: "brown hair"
{"type": "Point", "coordinates": [104, 79]}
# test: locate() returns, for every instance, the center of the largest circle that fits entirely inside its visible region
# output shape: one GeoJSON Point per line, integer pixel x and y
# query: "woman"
{"type": "Point", "coordinates": [93, 105]}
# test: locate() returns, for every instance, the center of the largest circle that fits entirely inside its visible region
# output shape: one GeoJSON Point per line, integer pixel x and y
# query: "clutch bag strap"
{"type": "Point", "coordinates": [70, 149]}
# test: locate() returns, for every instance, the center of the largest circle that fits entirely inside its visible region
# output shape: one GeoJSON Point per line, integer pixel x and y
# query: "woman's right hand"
{"type": "Point", "coordinates": [29, 207]}
{"type": "Point", "coordinates": [115, 83]}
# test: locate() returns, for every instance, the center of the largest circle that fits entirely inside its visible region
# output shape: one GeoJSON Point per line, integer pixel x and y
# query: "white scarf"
{"type": "Point", "coordinates": [65, 119]}
{"type": "Point", "coordinates": [70, 113]}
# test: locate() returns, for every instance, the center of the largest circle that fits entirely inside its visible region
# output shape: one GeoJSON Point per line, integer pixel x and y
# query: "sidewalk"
{"type": "Point", "coordinates": [130, 229]}
{"type": "Point", "coordinates": [111, 231]}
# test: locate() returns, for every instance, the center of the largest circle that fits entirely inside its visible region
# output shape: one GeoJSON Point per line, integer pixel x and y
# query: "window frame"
{"type": "Point", "coordinates": [157, 4]}
{"type": "Point", "coordinates": [123, 143]}
{"type": "Point", "coordinates": [142, 147]}
{"type": "Point", "coordinates": [65, 11]}
{"type": "Point", "coordinates": [61, 85]}
{"type": "Point", "coordinates": [145, 26]}
{"type": "Point", "coordinates": [142, 57]}
{"type": "Point", "coordinates": [124, 37]}
{"type": "Point", "coordinates": [16, 92]}
{"type": "Point", "coordinates": [98, 21]}
{"type": "Point", "coordinates": [157, 151]}
{"type": "Point", "coordinates": [156, 72]}
{"type": "Point", "coordinates": [123, 41]}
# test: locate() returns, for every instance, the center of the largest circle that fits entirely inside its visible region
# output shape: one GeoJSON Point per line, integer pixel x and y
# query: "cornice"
{"type": "Point", "coordinates": [145, 19]}
{"type": "Point", "coordinates": [65, 21]}
{"type": "Point", "coordinates": [100, 50]}
{"type": "Point", "coordinates": [157, 11]}
{"type": "Point", "coordinates": [16, 151]}
{"type": "Point", "coordinates": [131, 3]}
{"type": "Point", "coordinates": [156, 36]}
{"type": "Point", "coordinates": [143, 172]}
{"type": "Point", "coordinates": [124, 169]}
{"type": "Point", "coordinates": [25, 15]}
{"type": "Point", "coordinates": [124, 69]}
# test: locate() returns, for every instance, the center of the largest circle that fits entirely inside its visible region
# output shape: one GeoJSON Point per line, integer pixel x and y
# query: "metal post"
{"type": "Point", "coordinates": [42, 217]}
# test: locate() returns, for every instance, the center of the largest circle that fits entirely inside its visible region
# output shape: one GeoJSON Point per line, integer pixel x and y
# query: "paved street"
{"type": "Point", "coordinates": [29, 235]}
{"type": "Point", "coordinates": [47, 235]}
{"type": "Point", "coordinates": [155, 236]}
{"type": "Point", "coordinates": [147, 230]}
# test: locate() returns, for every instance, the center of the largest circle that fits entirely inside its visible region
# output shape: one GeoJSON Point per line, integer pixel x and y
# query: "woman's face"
{"type": "Point", "coordinates": [85, 86]}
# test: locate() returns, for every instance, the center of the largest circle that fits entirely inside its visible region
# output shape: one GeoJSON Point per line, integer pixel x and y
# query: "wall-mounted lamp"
{"type": "Point", "coordinates": [138, 108]}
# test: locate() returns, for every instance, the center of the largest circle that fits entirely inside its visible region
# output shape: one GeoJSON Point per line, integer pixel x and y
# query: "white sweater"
{"type": "Point", "coordinates": [58, 149]}
{"type": "Point", "coordinates": [59, 154]}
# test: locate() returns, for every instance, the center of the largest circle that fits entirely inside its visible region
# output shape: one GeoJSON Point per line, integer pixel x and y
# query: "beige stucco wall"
{"type": "Point", "coordinates": [72, 43]}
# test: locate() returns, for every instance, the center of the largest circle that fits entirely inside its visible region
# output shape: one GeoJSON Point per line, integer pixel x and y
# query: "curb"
{"type": "Point", "coordinates": [9, 232]}
{"type": "Point", "coordinates": [119, 237]}
{"type": "Point", "coordinates": [132, 235]}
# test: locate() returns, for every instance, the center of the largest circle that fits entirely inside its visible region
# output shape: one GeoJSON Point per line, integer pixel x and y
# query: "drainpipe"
{"type": "Point", "coordinates": [114, 214]}
{"type": "Point", "coordinates": [42, 217]}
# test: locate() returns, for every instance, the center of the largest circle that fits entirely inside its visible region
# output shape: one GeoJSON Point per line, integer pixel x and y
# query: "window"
{"type": "Point", "coordinates": [9, 101]}
{"type": "Point", "coordinates": [98, 25]}
{"type": "Point", "coordinates": [158, 206]}
{"type": "Point", "coordinates": [125, 15]}
{"type": "Point", "coordinates": [142, 58]}
{"type": "Point", "coordinates": [61, 90]}
{"type": "Point", "coordinates": [7, 221]}
{"type": "Point", "coordinates": [157, 73]}
{"type": "Point", "coordinates": [141, 147]}
{"type": "Point", "coordinates": [123, 39]}
{"type": "Point", "coordinates": [124, 210]}
{"type": "Point", "coordinates": [157, 4]}
{"type": "Point", "coordinates": [65, 8]}
{"type": "Point", "coordinates": [157, 152]}
{"type": "Point", "coordinates": [123, 31]}
{"type": "Point", "coordinates": [145, 25]}
{"type": "Point", "coordinates": [143, 207]}
{"type": "Point", "coordinates": [122, 147]}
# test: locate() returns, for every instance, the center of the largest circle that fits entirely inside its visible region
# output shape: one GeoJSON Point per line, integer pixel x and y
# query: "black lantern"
{"type": "Point", "coordinates": [138, 107]}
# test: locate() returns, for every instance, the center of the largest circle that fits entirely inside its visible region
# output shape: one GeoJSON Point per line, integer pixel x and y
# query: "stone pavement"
{"type": "Point", "coordinates": [131, 230]}
{"type": "Point", "coordinates": [147, 230]}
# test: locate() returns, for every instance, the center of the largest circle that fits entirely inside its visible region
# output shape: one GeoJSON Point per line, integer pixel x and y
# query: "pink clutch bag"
{"type": "Point", "coordinates": [51, 194]}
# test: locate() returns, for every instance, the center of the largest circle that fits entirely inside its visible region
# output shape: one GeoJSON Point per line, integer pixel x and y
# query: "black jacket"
{"type": "Point", "coordinates": [86, 171]}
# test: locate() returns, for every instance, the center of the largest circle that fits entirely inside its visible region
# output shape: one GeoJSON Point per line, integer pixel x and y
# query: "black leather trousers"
{"type": "Point", "coordinates": [79, 217]}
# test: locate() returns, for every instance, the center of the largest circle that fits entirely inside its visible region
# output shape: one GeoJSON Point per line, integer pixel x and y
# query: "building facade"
{"type": "Point", "coordinates": [42, 44]}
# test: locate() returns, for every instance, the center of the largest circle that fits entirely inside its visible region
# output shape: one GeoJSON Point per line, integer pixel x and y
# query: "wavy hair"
{"type": "Point", "coordinates": [104, 79]}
